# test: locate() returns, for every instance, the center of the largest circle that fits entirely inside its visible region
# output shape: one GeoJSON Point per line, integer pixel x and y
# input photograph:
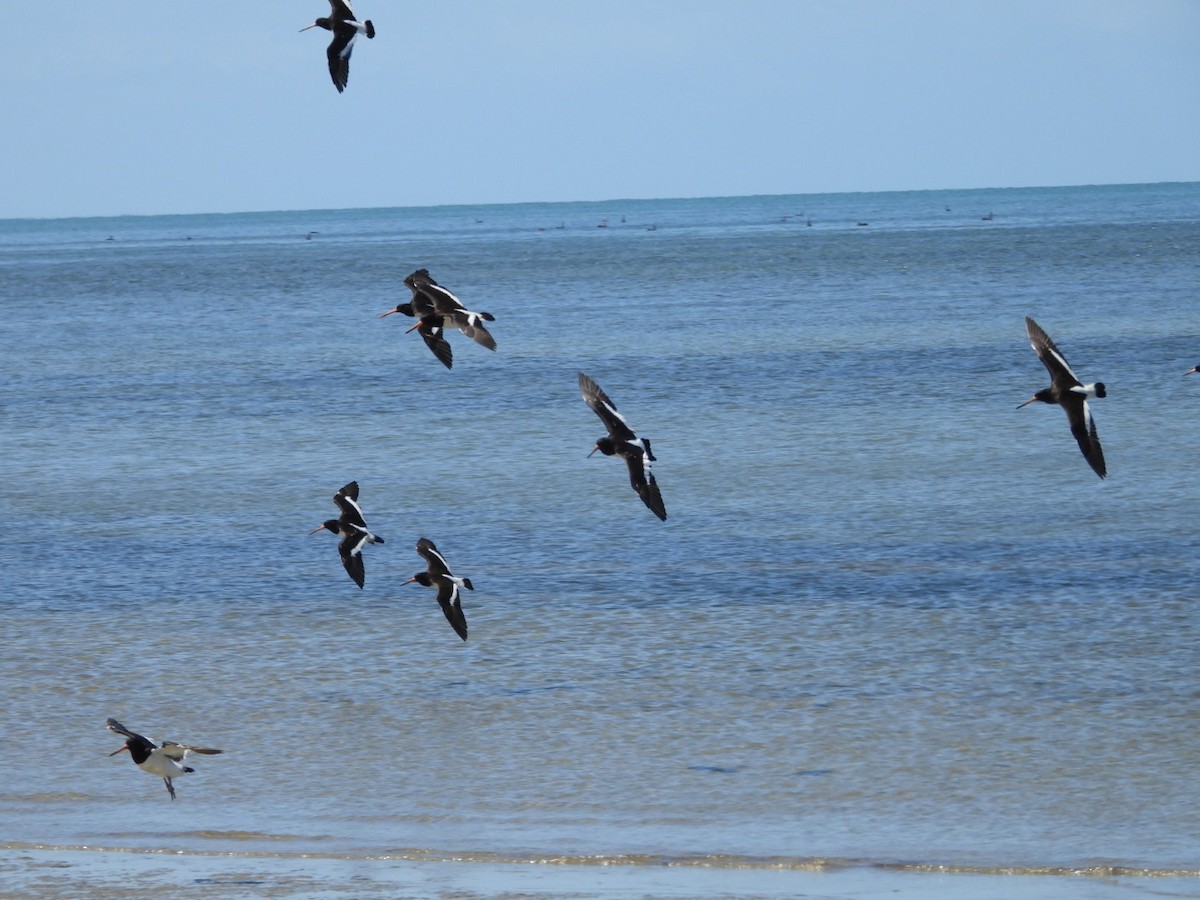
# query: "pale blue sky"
{"type": "Point", "coordinates": [146, 106]}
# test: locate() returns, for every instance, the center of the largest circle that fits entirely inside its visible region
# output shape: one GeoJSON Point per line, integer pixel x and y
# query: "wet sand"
{"type": "Point", "coordinates": [131, 875]}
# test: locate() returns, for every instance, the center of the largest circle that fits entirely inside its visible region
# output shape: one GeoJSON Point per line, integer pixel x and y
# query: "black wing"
{"type": "Point", "coordinates": [434, 335]}
{"type": "Point", "coordinates": [114, 725]}
{"type": "Point", "coordinates": [347, 501]}
{"type": "Point", "coordinates": [1083, 427]}
{"type": "Point", "coordinates": [1051, 357]}
{"type": "Point", "coordinates": [613, 421]}
{"type": "Point", "coordinates": [437, 562]}
{"type": "Point", "coordinates": [451, 604]}
{"type": "Point", "coordinates": [643, 482]}
{"type": "Point", "coordinates": [338, 52]}
{"type": "Point", "coordinates": [443, 301]}
{"type": "Point", "coordinates": [350, 550]}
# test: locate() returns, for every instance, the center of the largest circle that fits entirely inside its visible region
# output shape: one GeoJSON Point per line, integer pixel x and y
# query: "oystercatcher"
{"type": "Point", "coordinates": [448, 585]}
{"type": "Point", "coordinates": [621, 441]}
{"type": "Point", "coordinates": [1070, 393]}
{"type": "Point", "coordinates": [454, 314]}
{"type": "Point", "coordinates": [352, 529]}
{"type": "Point", "coordinates": [430, 325]}
{"type": "Point", "coordinates": [345, 27]}
{"type": "Point", "coordinates": [430, 299]}
{"type": "Point", "coordinates": [165, 761]}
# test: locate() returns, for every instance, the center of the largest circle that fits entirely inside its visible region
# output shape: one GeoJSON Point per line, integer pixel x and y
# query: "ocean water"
{"type": "Point", "coordinates": [889, 621]}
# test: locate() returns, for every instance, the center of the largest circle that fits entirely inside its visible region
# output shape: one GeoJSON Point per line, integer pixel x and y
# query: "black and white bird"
{"type": "Point", "coordinates": [433, 305]}
{"type": "Point", "coordinates": [452, 310]}
{"type": "Point", "coordinates": [165, 761]}
{"type": "Point", "coordinates": [352, 529]}
{"type": "Point", "coordinates": [438, 575]}
{"type": "Point", "coordinates": [345, 27]}
{"type": "Point", "coordinates": [1070, 393]}
{"type": "Point", "coordinates": [429, 325]}
{"type": "Point", "coordinates": [621, 441]}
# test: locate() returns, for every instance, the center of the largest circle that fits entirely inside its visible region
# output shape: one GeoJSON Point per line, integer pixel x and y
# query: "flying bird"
{"type": "Point", "coordinates": [345, 27]}
{"type": "Point", "coordinates": [437, 309]}
{"type": "Point", "coordinates": [1070, 393]}
{"type": "Point", "coordinates": [621, 441]}
{"type": "Point", "coordinates": [165, 761]}
{"type": "Point", "coordinates": [352, 529]}
{"type": "Point", "coordinates": [429, 325]}
{"type": "Point", "coordinates": [452, 310]}
{"type": "Point", "coordinates": [448, 585]}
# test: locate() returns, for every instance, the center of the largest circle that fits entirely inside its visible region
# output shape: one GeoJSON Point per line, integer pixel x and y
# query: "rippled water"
{"type": "Point", "coordinates": [889, 618]}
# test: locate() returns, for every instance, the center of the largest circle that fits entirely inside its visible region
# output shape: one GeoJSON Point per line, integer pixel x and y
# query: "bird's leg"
{"type": "Point", "coordinates": [170, 787]}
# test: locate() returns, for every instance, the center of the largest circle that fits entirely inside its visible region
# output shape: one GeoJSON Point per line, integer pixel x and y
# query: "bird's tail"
{"type": "Point", "coordinates": [370, 28]}
{"type": "Point", "coordinates": [188, 769]}
{"type": "Point", "coordinates": [466, 582]}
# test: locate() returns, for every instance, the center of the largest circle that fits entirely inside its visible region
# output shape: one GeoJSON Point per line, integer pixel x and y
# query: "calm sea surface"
{"type": "Point", "coordinates": [890, 618]}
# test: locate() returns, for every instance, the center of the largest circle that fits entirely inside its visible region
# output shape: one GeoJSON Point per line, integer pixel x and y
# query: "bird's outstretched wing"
{"type": "Point", "coordinates": [1051, 357]}
{"type": "Point", "coordinates": [451, 604]}
{"type": "Point", "coordinates": [618, 429]}
{"type": "Point", "coordinates": [338, 52]}
{"type": "Point", "coordinates": [347, 501]}
{"type": "Point", "coordinates": [437, 562]}
{"type": "Point", "coordinates": [643, 482]}
{"type": "Point", "coordinates": [114, 725]}
{"type": "Point", "coordinates": [1083, 427]}
{"type": "Point", "coordinates": [177, 751]}
{"type": "Point", "coordinates": [434, 335]}
{"type": "Point", "coordinates": [350, 550]}
{"type": "Point", "coordinates": [471, 324]}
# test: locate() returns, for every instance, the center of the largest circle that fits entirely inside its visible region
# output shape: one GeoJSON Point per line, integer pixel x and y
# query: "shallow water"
{"type": "Point", "coordinates": [888, 619]}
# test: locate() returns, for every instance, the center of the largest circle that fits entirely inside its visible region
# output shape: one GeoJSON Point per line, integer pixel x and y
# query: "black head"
{"type": "Point", "coordinates": [1045, 395]}
{"type": "Point", "coordinates": [1192, 371]}
{"type": "Point", "coordinates": [605, 445]}
{"type": "Point", "coordinates": [1100, 389]}
{"type": "Point", "coordinates": [404, 308]}
{"type": "Point", "coordinates": [327, 525]}
{"type": "Point", "coordinates": [422, 578]}
{"type": "Point", "coordinates": [320, 23]}
{"type": "Point", "coordinates": [138, 749]}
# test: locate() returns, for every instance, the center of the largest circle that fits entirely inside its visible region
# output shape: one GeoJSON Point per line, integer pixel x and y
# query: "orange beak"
{"type": "Point", "coordinates": [388, 313]}
{"type": "Point", "coordinates": [318, 528]}
{"type": "Point", "coordinates": [1027, 402]}
{"type": "Point", "coordinates": [306, 27]}
{"type": "Point", "coordinates": [123, 747]}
